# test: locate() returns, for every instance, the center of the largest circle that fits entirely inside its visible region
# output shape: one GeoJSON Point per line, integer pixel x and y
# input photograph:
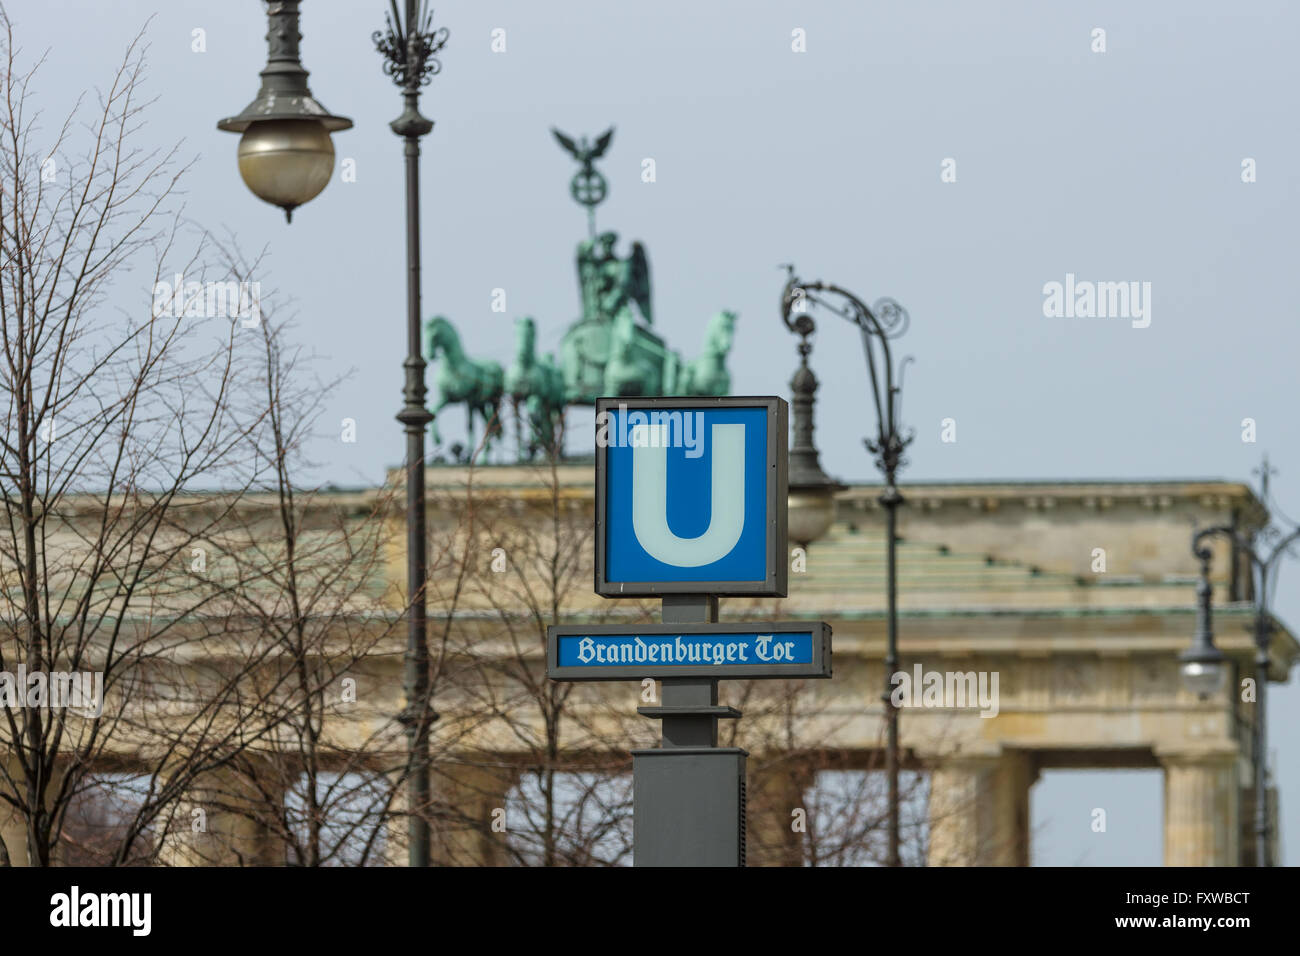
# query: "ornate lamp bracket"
{"type": "Point", "coordinates": [410, 51]}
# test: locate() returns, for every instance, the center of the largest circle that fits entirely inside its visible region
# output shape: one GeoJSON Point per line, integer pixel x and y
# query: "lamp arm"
{"type": "Point", "coordinates": [857, 312]}
{"type": "Point", "coordinates": [1281, 547]}
{"type": "Point", "coordinates": [1204, 554]}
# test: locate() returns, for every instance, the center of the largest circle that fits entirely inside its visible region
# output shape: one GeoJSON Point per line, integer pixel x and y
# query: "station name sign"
{"type": "Point", "coordinates": [735, 651]}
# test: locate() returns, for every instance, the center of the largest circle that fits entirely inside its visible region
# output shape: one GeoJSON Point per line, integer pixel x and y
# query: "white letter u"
{"type": "Point", "coordinates": [650, 498]}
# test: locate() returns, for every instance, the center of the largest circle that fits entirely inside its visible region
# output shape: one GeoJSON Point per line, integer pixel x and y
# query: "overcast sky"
{"type": "Point", "coordinates": [1117, 166]}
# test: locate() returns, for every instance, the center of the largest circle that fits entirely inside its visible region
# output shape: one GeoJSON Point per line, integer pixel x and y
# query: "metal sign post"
{"type": "Point", "coordinates": [690, 505]}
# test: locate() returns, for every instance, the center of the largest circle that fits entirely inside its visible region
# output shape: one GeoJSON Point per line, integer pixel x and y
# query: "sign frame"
{"type": "Point", "coordinates": [819, 667]}
{"type": "Point", "coordinates": [776, 534]}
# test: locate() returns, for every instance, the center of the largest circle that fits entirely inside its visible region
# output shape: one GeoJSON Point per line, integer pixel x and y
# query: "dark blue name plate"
{"type": "Point", "coordinates": [744, 650]}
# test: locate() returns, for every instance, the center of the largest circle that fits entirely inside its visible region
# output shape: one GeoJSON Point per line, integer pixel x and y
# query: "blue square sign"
{"type": "Point", "coordinates": [691, 496]}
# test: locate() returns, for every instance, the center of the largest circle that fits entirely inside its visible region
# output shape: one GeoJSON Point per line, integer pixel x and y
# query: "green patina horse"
{"type": "Point", "coordinates": [707, 374]}
{"type": "Point", "coordinates": [537, 384]}
{"type": "Point", "coordinates": [475, 383]}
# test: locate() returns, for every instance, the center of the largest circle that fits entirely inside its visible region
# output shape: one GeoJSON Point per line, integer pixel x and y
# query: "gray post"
{"type": "Point", "coordinates": [689, 794]}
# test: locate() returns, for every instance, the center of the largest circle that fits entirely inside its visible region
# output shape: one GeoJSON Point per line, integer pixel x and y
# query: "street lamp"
{"type": "Point", "coordinates": [286, 158]}
{"type": "Point", "coordinates": [1203, 664]}
{"type": "Point", "coordinates": [878, 325]}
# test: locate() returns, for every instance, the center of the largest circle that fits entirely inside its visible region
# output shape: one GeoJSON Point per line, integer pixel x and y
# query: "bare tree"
{"type": "Point", "coordinates": [302, 572]}
{"type": "Point", "coordinates": [114, 422]}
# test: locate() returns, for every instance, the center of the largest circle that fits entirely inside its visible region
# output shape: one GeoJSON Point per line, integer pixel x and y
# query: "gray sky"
{"type": "Point", "coordinates": [1123, 165]}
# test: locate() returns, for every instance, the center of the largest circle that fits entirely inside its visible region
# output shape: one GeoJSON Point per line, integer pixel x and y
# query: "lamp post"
{"type": "Point", "coordinates": [286, 158]}
{"type": "Point", "coordinates": [877, 325]}
{"type": "Point", "coordinates": [1203, 663]}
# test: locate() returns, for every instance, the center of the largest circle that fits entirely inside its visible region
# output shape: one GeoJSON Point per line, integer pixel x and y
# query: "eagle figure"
{"type": "Point", "coordinates": [583, 151]}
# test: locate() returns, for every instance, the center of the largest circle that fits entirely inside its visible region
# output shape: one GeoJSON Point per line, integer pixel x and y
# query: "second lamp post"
{"type": "Point", "coordinates": [877, 325]}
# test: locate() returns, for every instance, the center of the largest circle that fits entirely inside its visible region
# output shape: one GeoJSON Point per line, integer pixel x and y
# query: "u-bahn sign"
{"type": "Point", "coordinates": [690, 496]}
{"type": "Point", "coordinates": [690, 505]}
{"type": "Point", "coordinates": [738, 651]}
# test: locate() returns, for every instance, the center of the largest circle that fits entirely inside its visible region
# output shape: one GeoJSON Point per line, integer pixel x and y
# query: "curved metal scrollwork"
{"type": "Point", "coordinates": [891, 317]}
{"type": "Point", "coordinates": [878, 324]}
{"type": "Point", "coordinates": [410, 51]}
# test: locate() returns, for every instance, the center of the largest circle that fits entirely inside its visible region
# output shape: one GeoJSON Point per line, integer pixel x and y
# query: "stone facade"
{"type": "Point", "coordinates": [1078, 597]}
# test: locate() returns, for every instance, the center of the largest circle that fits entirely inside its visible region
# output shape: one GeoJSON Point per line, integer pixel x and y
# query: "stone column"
{"type": "Point", "coordinates": [226, 820]}
{"type": "Point", "coordinates": [13, 823]}
{"type": "Point", "coordinates": [467, 798]}
{"type": "Point", "coordinates": [773, 792]}
{"type": "Point", "coordinates": [979, 810]}
{"type": "Point", "coordinates": [1201, 808]}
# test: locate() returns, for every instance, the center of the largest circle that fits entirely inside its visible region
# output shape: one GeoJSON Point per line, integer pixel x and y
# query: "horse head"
{"type": "Point", "coordinates": [440, 335]}
{"type": "Point", "coordinates": [721, 334]}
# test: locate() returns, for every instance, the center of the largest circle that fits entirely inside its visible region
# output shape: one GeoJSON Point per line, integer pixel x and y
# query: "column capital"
{"type": "Point", "coordinates": [974, 759]}
{"type": "Point", "coordinates": [1210, 754]}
